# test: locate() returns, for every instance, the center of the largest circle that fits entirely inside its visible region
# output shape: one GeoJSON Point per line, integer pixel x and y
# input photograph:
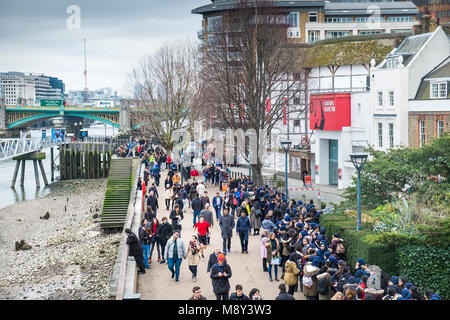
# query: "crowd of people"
{"type": "Point", "coordinates": [293, 247]}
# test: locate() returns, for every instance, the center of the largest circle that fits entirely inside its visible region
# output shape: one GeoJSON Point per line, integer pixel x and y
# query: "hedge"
{"type": "Point", "coordinates": [428, 267]}
{"type": "Point", "coordinates": [357, 244]}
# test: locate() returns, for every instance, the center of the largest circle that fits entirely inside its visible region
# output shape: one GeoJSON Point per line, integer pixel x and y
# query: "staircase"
{"type": "Point", "coordinates": [117, 197]}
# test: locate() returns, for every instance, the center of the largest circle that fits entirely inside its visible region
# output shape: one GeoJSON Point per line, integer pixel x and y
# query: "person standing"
{"type": "Point", "coordinates": [283, 294]}
{"type": "Point", "coordinates": [163, 233]}
{"type": "Point", "coordinates": [255, 217]}
{"type": "Point", "coordinates": [291, 273]}
{"type": "Point", "coordinates": [243, 229]}
{"type": "Point", "coordinates": [135, 250]}
{"type": "Point", "coordinates": [220, 273]}
{"type": "Point", "coordinates": [193, 256]}
{"type": "Point", "coordinates": [174, 254]}
{"type": "Point", "coordinates": [263, 249]}
{"type": "Point", "coordinates": [168, 192]}
{"type": "Point", "coordinates": [154, 240]}
{"type": "Point", "coordinates": [217, 204]}
{"type": "Point", "coordinates": [273, 255]}
{"type": "Point", "coordinates": [208, 215]}
{"type": "Point", "coordinates": [226, 223]}
{"type": "Point", "coordinates": [145, 240]}
{"type": "Point", "coordinates": [238, 294]}
{"type": "Point", "coordinates": [152, 203]}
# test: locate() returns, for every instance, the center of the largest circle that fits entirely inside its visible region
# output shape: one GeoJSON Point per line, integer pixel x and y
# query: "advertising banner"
{"type": "Point", "coordinates": [329, 112]}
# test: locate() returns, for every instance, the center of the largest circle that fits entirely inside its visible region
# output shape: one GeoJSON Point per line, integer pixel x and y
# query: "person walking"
{"type": "Point", "coordinates": [238, 294]}
{"type": "Point", "coordinates": [208, 215]}
{"type": "Point", "coordinates": [273, 254]}
{"type": "Point", "coordinates": [174, 254]}
{"type": "Point", "coordinates": [226, 223]}
{"type": "Point", "coordinates": [243, 229]}
{"type": "Point", "coordinates": [212, 259]}
{"type": "Point", "coordinates": [176, 216]}
{"type": "Point", "coordinates": [152, 203]}
{"type": "Point", "coordinates": [220, 273]}
{"type": "Point", "coordinates": [196, 207]}
{"type": "Point", "coordinates": [154, 240]}
{"type": "Point", "coordinates": [163, 234]}
{"type": "Point", "coordinates": [202, 228]}
{"type": "Point", "coordinates": [197, 294]}
{"type": "Point", "coordinates": [135, 250]}
{"type": "Point", "coordinates": [168, 193]}
{"type": "Point", "coordinates": [217, 204]}
{"type": "Point", "coordinates": [193, 256]}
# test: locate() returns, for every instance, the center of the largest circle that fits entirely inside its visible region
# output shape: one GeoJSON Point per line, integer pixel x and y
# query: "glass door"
{"type": "Point", "coordinates": [333, 162]}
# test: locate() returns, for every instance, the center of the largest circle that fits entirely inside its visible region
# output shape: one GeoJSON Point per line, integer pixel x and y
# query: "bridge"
{"type": "Point", "coordinates": [10, 148]}
{"type": "Point", "coordinates": [18, 116]}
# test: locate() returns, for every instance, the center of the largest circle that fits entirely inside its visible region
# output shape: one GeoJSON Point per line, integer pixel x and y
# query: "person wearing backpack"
{"type": "Point", "coordinates": [337, 247]}
{"type": "Point", "coordinates": [310, 288]}
{"type": "Point", "coordinates": [255, 217]}
{"type": "Point", "coordinates": [324, 284]}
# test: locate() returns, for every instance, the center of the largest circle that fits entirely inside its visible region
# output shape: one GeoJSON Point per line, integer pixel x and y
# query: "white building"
{"type": "Point", "coordinates": [360, 18]}
{"type": "Point", "coordinates": [17, 86]}
{"type": "Point", "coordinates": [396, 81]}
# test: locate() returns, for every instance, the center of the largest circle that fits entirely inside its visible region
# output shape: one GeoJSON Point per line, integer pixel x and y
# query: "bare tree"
{"type": "Point", "coordinates": [166, 91]}
{"type": "Point", "coordinates": [251, 71]}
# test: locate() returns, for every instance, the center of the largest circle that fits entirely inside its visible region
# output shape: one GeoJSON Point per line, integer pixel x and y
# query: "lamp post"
{"type": "Point", "coordinates": [286, 145]}
{"type": "Point", "coordinates": [359, 160]}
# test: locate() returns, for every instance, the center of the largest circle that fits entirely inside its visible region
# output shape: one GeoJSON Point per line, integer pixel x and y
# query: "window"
{"type": "Point", "coordinates": [391, 135]}
{"type": "Point", "coordinates": [400, 19]}
{"type": "Point", "coordinates": [337, 34]}
{"type": "Point", "coordinates": [380, 98]}
{"type": "Point", "coordinates": [296, 123]}
{"type": "Point", "coordinates": [437, 14]}
{"type": "Point", "coordinates": [292, 19]}
{"type": "Point", "coordinates": [214, 23]}
{"type": "Point", "coordinates": [438, 90]}
{"type": "Point", "coordinates": [439, 127]}
{"type": "Point", "coordinates": [369, 19]}
{"type": "Point", "coordinates": [391, 98]}
{"type": "Point", "coordinates": [370, 31]}
{"type": "Point", "coordinates": [296, 101]}
{"type": "Point", "coordinates": [313, 36]}
{"type": "Point", "coordinates": [448, 13]}
{"type": "Point", "coordinates": [380, 135]}
{"type": "Point", "coordinates": [338, 19]}
{"type": "Point", "coordinates": [313, 17]}
{"type": "Point", "coordinates": [422, 135]}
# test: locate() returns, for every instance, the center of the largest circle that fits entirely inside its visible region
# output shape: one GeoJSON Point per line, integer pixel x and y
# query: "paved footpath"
{"type": "Point", "coordinates": [246, 269]}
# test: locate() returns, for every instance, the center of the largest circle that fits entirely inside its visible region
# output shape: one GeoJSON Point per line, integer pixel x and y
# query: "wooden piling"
{"type": "Point", "coordinates": [22, 177]}
{"type": "Point", "coordinates": [36, 174]}
{"type": "Point", "coordinates": [16, 170]}
{"type": "Point", "coordinates": [52, 164]}
{"type": "Point", "coordinates": [43, 172]}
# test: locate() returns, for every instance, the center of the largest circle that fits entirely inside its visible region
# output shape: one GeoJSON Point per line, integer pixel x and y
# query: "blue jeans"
{"type": "Point", "coordinates": [146, 250]}
{"type": "Point", "coordinates": [233, 210]}
{"type": "Point", "coordinates": [217, 211]}
{"type": "Point", "coordinates": [206, 179]}
{"type": "Point", "coordinates": [196, 215]}
{"type": "Point", "coordinates": [275, 271]}
{"type": "Point", "coordinates": [243, 235]}
{"type": "Point", "coordinates": [171, 262]}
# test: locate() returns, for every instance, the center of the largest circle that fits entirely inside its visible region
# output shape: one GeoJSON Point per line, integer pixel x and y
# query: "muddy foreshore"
{"type": "Point", "coordinates": [69, 257]}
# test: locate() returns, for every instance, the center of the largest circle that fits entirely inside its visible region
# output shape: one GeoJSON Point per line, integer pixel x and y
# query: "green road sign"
{"type": "Point", "coordinates": [52, 103]}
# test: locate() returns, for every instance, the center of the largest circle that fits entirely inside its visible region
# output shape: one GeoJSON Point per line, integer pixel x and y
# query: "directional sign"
{"type": "Point", "coordinates": [52, 103]}
{"type": "Point", "coordinates": [84, 133]}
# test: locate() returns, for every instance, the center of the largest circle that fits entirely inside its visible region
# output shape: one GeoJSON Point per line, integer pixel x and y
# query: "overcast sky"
{"type": "Point", "coordinates": [35, 37]}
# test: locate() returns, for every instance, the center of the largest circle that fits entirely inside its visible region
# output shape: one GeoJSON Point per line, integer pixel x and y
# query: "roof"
{"type": "Point", "coordinates": [221, 5]}
{"type": "Point", "coordinates": [364, 8]}
{"type": "Point", "coordinates": [409, 47]}
{"type": "Point", "coordinates": [440, 71]}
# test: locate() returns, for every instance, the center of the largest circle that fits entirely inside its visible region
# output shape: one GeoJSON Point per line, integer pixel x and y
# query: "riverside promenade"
{"type": "Point", "coordinates": [246, 269]}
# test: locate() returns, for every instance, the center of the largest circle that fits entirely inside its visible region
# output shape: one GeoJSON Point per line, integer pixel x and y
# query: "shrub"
{"type": "Point", "coordinates": [426, 266]}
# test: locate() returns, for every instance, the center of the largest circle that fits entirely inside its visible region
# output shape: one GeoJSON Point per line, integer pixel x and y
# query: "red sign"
{"type": "Point", "coordinates": [329, 112]}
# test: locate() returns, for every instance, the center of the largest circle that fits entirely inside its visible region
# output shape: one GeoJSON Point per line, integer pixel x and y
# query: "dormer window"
{"type": "Point", "coordinates": [438, 90]}
{"type": "Point", "coordinates": [392, 62]}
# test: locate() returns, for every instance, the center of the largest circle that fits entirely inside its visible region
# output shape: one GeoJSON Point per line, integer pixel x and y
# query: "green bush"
{"type": "Point", "coordinates": [426, 266]}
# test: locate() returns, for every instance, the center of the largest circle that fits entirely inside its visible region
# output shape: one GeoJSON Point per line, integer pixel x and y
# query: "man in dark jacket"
{"type": "Point", "coordinates": [163, 234]}
{"type": "Point", "coordinates": [197, 208]}
{"type": "Point", "coordinates": [243, 229]}
{"type": "Point", "coordinates": [220, 273]}
{"type": "Point", "coordinates": [212, 259]}
{"type": "Point", "coordinates": [238, 295]}
{"type": "Point", "coordinates": [135, 250]}
{"type": "Point", "coordinates": [226, 222]}
{"type": "Point", "coordinates": [283, 294]}
{"type": "Point", "coordinates": [176, 215]}
{"type": "Point", "coordinates": [152, 202]}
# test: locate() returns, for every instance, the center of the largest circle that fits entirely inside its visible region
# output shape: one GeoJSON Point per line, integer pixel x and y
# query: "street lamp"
{"type": "Point", "coordinates": [358, 160]}
{"type": "Point", "coordinates": [286, 145]}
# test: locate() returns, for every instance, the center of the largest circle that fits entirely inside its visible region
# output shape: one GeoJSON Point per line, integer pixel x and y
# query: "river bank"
{"type": "Point", "coordinates": [69, 257]}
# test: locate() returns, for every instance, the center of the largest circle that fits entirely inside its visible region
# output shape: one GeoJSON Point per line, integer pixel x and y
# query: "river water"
{"type": "Point", "coordinates": [10, 196]}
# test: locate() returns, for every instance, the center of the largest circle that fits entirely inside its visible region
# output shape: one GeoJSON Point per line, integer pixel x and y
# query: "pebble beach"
{"type": "Point", "coordinates": [69, 257]}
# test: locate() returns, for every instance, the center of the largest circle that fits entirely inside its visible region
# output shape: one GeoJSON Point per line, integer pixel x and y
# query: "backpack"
{"type": "Point", "coordinates": [322, 286]}
{"type": "Point", "coordinates": [235, 201]}
{"type": "Point", "coordinates": [307, 281]}
{"type": "Point", "coordinates": [340, 249]}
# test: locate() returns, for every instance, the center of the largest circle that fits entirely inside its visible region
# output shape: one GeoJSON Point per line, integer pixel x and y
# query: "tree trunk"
{"type": "Point", "coordinates": [257, 173]}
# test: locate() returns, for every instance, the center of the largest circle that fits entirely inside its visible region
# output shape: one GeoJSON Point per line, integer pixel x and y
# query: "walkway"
{"type": "Point", "coordinates": [246, 269]}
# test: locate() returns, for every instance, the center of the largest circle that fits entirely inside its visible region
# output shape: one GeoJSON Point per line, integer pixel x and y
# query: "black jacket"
{"type": "Point", "coordinates": [212, 261]}
{"type": "Point", "coordinates": [285, 296]}
{"type": "Point", "coordinates": [196, 204]}
{"type": "Point", "coordinates": [173, 216]}
{"type": "Point", "coordinates": [144, 237]}
{"type": "Point", "coordinates": [152, 202]}
{"type": "Point", "coordinates": [135, 248]}
{"type": "Point", "coordinates": [220, 284]}
{"type": "Point", "coordinates": [234, 296]}
{"type": "Point", "coordinates": [164, 232]}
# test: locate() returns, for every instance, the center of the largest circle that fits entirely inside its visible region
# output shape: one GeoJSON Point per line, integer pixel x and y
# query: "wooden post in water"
{"type": "Point", "coordinates": [62, 175]}
{"type": "Point", "coordinates": [16, 170]}
{"type": "Point", "coordinates": [36, 174]}
{"type": "Point", "coordinates": [52, 164]}
{"type": "Point", "coordinates": [43, 172]}
{"type": "Point", "coordinates": [104, 161]}
{"type": "Point", "coordinates": [22, 177]}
